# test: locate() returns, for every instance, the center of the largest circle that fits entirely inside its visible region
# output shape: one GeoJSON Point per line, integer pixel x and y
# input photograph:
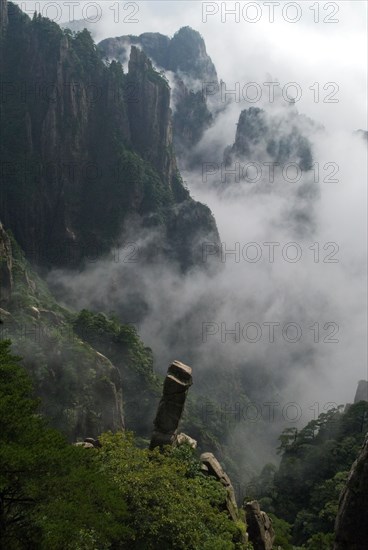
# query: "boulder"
{"type": "Point", "coordinates": [184, 438]}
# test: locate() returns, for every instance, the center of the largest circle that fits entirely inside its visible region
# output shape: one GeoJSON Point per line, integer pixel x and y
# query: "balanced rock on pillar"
{"type": "Point", "coordinates": [170, 409]}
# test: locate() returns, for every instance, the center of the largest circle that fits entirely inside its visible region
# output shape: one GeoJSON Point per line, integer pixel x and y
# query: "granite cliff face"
{"type": "Point", "coordinates": [84, 146]}
{"type": "Point", "coordinates": [351, 528]}
{"type": "Point", "coordinates": [150, 115]}
{"type": "Point", "coordinates": [6, 268]}
{"type": "Point", "coordinates": [186, 58]}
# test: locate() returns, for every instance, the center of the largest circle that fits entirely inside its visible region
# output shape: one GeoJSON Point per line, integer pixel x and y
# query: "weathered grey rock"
{"type": "Point", "coordinates": [259, 525]}
{"type": "Point", "coordinates": [170, 409]}
{"type": "Point", "coordinates": [351, 527]}
{"type": "Point", "coordinates": [182, 438]}
{"type": "Point", "coordinates": [215, 469]}
{"type": "Point", "coordinates": [362, 391]}
{"type": "Point", "coordinates": [84, 444]}
{"type": "Point", "coordinates": [6, 277]}
{"type": "Point", "coordinates": [92, 441]}
{"type": "Point", "coordinates": [150, 115]}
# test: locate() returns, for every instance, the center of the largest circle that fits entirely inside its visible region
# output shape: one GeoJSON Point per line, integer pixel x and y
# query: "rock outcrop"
{"type": "Point", "coordinates": [88, 443]}
{"type": "Point", "coordinates": [6, 276]}
{"type": "Point", "coordinates": [259, 527]}
{"type": "Point", "coordinates": [362, 391]}
{"type": "Point", "coordinates": [214, 468]}
{"type": "Point", "coordinates": [184, 439]}
{"type": "Point", "coordinates": [351, 527]}
{"type": "Point", "coordinates": [170, 409]}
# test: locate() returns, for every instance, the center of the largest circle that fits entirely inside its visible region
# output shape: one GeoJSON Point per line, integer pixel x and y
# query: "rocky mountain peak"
{"type": "Point", "coordinates": [188, 55]}
{"type": "Point", "coordinates": [185, 53]}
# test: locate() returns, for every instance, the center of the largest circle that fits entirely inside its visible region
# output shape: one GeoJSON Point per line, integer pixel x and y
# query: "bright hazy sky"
{"type": "Point", "coordinates": [305, 52]}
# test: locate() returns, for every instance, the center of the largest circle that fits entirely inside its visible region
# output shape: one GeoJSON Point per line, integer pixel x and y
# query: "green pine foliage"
{"type": "Point", "coordinates": [55, 495]}
{"type": "Point", "coordinates": [303, 493]}
{"type": "Point", "coordinates": [52, 495]}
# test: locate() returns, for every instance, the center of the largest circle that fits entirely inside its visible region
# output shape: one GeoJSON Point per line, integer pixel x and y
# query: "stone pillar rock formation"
{"type": "Point", "coordinates": [259, 525]}
{"type": "Point", "coordinates": [170, 409]}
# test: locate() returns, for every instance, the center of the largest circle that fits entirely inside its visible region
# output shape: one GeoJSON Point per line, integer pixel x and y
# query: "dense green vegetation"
{"type": "Point", "coordinates": [87, 366]}
{"type": "Point", "coordinates": [51, 494]}
{"type": "Point", "coordinates": [122, 345]}
{"type": "Point", "coordinates": [54, 495]}
{"type": "Point", "coordinates": [69, 359]}
{"type": "Point", "coordinates": [303, 492]}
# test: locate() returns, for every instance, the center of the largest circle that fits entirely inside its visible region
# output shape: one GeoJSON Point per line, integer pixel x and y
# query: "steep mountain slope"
{"type": "Point", "coordinates": [82, 363]}
{"type": "Point", "coordinates": [81, 390]}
